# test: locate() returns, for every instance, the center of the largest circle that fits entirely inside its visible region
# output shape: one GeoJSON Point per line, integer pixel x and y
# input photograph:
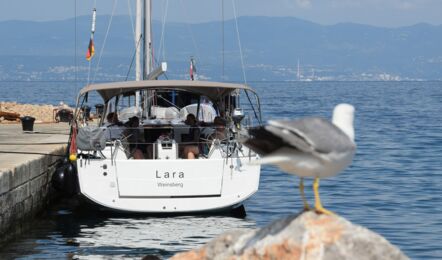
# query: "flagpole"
{"type": "Point", "coordinates": [91, 42]}
{"type": "Point", "coordinates": [91, 49]}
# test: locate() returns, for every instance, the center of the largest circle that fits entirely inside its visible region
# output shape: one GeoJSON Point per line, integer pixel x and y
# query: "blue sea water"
{"type": "Point", "coordinates": [393, 187]}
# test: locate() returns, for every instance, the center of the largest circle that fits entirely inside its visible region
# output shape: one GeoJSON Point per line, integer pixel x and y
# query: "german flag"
{"type": "Point", "coordinates": [90, 50]}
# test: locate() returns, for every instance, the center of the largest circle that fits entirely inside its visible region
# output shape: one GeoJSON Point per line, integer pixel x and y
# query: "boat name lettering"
{"type": "Point", "coordinates": [169, 175]}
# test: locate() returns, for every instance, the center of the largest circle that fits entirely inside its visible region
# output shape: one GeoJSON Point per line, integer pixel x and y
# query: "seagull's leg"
{"type": "Point", "coordinates": [318, 204]}
{"type": "Point", "coordinates": [301, 189]}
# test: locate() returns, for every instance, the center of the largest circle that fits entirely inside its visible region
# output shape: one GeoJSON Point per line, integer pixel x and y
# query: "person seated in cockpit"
{"type": "Point", "coordinates": [191, 150]}
{"type": "Point", "coordinates": [133, 137]}
{"type": "Point", "coordinates": [218, 132]}
{"type": "Point", "coordinates": [220, 129]}
{"type": "Point", "coordinates": [114, 127]}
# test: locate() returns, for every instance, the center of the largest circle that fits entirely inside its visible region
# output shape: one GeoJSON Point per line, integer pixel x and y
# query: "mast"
{"type": "Point", "coordinates": [138, 35]}
{"type": "Point", "coordinates": [222, 40]}
{"type": "Point", "coordinates": [147, 38]}
{"type": "Point", "coordinates": [138, 45]}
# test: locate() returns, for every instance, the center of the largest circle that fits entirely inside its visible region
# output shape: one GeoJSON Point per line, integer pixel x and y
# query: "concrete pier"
{"type": "Point", "coordinates": [25, 177]}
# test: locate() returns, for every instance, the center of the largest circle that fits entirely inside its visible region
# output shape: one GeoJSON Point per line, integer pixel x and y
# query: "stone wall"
{"type": "Point", "coordinates": [24, 192]}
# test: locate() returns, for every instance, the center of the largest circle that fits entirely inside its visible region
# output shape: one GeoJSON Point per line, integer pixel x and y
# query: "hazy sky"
{"type": "Point", "coordinates": [389, 13]}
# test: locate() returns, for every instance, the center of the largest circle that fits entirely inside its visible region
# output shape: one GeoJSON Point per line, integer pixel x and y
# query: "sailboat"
{"type": "Point", "coordinates": [144, 156]}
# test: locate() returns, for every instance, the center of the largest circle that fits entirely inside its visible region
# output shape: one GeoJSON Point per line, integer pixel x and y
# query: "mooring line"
{"type": "Point", "coordinates": [45, 133]}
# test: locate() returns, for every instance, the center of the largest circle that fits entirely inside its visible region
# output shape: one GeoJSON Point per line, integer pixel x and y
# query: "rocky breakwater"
{"type": "Point", "coordinates": [10, 112]}
{"type": "Point", "coordinates": [41, 113]}
{"type": "Point", "coordinates": [305, 236]}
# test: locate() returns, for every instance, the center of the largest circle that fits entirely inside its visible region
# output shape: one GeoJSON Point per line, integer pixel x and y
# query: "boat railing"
{"type": "Point", "coordinates": [167, 142]}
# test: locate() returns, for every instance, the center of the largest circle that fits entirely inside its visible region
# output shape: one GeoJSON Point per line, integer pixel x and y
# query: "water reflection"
{"type": "Point", "coordinates": [67, 234]}
{"type": "Point", "coordinates": [156, 235]}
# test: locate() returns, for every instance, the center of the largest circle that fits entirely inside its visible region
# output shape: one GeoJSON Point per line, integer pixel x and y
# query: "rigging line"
{"type": "Point", "coordinates": [242, 59]}
{"type": "Point", "coordinates": [105, 40]}
{"type": "Point", "coordinates": [132, 22]}
{"type": "Point", "coordinates": [239, 42]}
{"type": "Point", "coordinates": [167, 101]}
{"type": "Point", "coordinates": [75, 43]}
{"type": "Point", "coordinates": [253, 107]}
{"type": "Point", "coordinates": [189, 28]}
{"type": "Point", "coordinates": [162, 49]}
{"type": "Point", "coordinates": [133, 57]}
{"type": "Point", "coordinates": [129, 8]}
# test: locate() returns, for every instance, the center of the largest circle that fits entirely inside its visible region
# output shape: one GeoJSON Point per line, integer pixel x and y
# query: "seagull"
{"type": "Point", "coordinates": [307, 147]}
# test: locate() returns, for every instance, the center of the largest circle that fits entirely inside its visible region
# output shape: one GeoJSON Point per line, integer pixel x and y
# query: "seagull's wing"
{"type": "Point", "coordinates": [262, 141]}
{"type": "Point", "coordinates": [311, 134]}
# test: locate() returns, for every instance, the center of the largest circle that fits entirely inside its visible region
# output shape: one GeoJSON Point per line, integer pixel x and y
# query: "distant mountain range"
{"type": "Point", "coordinates": [271, 47]}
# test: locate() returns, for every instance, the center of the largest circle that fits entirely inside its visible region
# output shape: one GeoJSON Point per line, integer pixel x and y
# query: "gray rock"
{"type": "Point", "coordinates": [305, 236]}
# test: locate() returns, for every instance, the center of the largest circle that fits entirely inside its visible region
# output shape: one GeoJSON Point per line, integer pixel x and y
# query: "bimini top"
{"type": "Point", "coordinates": [209, 89]}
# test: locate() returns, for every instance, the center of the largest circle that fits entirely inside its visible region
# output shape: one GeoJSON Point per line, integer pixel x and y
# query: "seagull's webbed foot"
{"type": "Point", "coordinates": [304, 200]}
{"type": "Point", "coordinates": [320, 209]}
{"type": "Point", "coordinates": [318, 205]}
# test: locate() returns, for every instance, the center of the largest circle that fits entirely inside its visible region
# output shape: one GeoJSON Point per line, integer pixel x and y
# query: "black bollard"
{"type": "Point", "coordinates": [27, 123]}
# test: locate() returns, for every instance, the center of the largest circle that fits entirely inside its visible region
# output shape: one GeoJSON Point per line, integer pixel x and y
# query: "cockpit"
{"type": "Point", "coordinates": [156, 123]}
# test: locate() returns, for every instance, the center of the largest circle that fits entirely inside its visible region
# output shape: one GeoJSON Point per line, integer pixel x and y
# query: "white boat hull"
{"type": "Point", "coordinates": [168, 186]}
